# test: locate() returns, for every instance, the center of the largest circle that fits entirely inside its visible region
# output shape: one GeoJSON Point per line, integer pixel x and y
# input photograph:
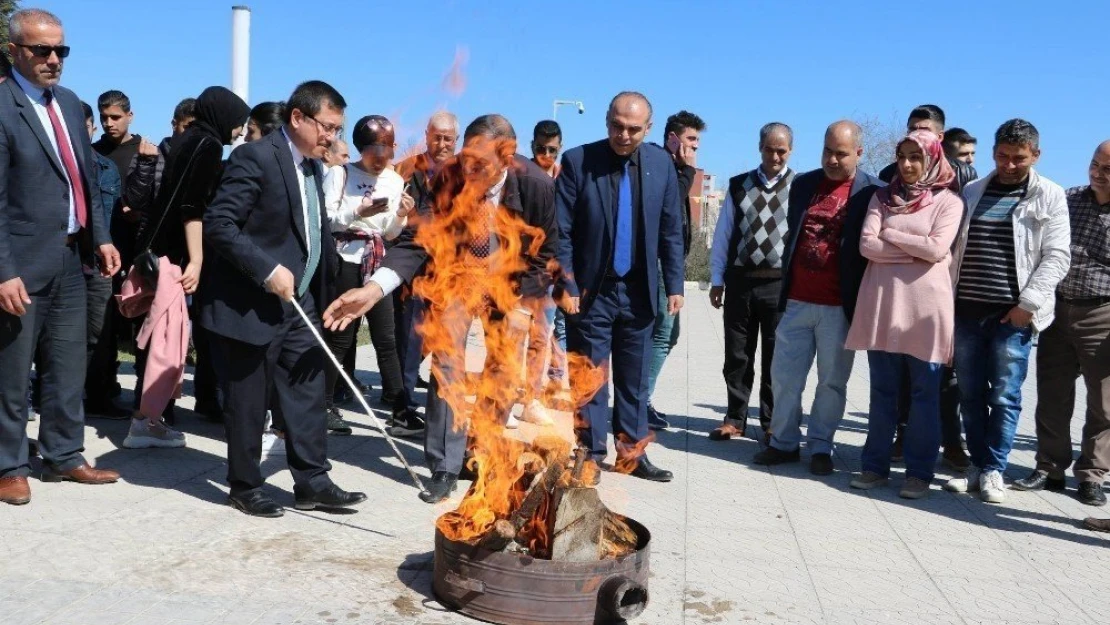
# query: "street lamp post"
{"type": "Point", "coordinates": [575, 103]}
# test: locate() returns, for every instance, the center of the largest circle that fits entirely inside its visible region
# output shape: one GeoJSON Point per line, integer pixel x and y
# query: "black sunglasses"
{"type": "Point", "coordinates": [545, 149]}
{"type": "Point", "coordinates": [43, 51]}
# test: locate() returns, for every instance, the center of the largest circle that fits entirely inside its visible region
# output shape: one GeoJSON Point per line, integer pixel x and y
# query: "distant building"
{"type": "Point", "coordinates": [705, 203]}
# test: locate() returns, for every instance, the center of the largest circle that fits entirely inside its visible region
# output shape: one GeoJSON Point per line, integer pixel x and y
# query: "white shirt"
{"type": "Point", "coordinates": [773, 181]}
{"type": "Point", "coordinates": [298, 158]}
{"type": "Point", "coordinates": [388, 279]}
{"type": "Point", "coordinates": [344, 188]}
{"type": "Point", "coordinates": [38, 102]}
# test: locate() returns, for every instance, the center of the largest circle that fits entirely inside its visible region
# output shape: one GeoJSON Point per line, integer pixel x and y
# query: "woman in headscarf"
{"type": "Point", "coordinates": [174, 229]}
{"type": "Point", "coordinates": [905, 312]}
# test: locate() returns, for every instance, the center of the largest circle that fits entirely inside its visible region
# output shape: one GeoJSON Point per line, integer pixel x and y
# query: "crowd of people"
{"type": "Point", "coordinates": [943, 278]}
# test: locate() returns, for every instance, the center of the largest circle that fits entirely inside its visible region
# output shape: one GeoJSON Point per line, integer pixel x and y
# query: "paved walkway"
{"type": "Point", "coordinates": [733, 543]}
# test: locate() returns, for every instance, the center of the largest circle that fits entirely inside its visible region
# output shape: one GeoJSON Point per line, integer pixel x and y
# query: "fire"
{"type": "Point", "coordinates": [459, 287]}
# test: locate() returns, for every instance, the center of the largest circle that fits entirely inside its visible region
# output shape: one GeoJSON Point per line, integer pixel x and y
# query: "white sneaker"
{"type": "Point", "coordinates": [535, 412]}
{"type": "Point", "coordinates": [992, 488]}
{"type": "Point", "coordinates": [146, 433]}
{"type": "Point", "coordinates": [272, 444]}
{"type": "Point", "coordinates": [968, 484]}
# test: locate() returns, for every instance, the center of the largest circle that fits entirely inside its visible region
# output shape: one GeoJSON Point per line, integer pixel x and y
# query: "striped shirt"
{"type": "Point", "coordinates": [988, 274]}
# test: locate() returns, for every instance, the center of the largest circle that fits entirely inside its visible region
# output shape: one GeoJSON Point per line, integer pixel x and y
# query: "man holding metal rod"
{"type": "Point", "coordinates": [271, 272]}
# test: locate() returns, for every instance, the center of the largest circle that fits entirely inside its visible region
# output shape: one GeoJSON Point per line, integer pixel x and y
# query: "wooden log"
{"type": "Point", "coordinates": [579, 521]}
{"type": "Point", "coordinates": [499, 537]}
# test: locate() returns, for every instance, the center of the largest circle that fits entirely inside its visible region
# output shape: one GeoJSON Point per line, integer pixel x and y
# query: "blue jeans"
{"type": "Point", "coordinates": [808, 330]}
{"type": "Point", "coordinates": [922, 435]}
{"type": "Point", "coordinates": [663, 337]}
{"type": "Point", "coordinates": [992, 359]}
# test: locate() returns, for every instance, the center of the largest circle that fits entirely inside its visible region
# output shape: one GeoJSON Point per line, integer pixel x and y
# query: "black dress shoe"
{"type": "Point", "coordinates": [330, 497]}
{"type": "Point", "coordinates": [1039, 480]}
{"type": "Point", "coordinates": [656, 420]}
{"type": "Point", "coordinates": [773, 455]}
{"type": "Point", "coordinates": [336, 424]}
{"type": "Point", "coordinates": [645, 470]}
{"type": "Point", "coordinates": [106, 409]}
{"type": "Point", "coordinates": [821, 464]}
{"type": "Point", "coordinates": [440, 487]}
{"type": "Point", "coordinates": [467, 473]}
{"type": "Point", "coordinates": [1091, 494]}
{"type": "Point", "coordinates": [256, 504]}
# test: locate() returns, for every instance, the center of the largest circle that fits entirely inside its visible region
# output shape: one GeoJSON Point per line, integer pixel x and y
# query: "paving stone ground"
{"type": "Point", "coordinates": [732, 542]}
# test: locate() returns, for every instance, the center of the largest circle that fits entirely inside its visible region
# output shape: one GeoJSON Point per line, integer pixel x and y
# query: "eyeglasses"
{"type": "Point", "coordinates": [43, 51]}
{"type": "Point", "coordinates": [545, 149]}
{"type": "Point", "coordinates": [328, 129]}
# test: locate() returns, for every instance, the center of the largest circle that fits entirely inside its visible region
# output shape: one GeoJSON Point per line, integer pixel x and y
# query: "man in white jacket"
{"type": "Point", "coordinates": [1014, 248]}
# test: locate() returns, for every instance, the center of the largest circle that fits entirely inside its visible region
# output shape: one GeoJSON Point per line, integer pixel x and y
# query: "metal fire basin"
{"type": "Point", "coordinates": [516, 589]}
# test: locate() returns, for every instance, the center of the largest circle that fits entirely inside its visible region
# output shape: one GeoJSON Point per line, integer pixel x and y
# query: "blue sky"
{"type": "Point", "coordinates": [737, 64]}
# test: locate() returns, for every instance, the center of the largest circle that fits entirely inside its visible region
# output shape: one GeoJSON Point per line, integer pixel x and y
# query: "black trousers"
{"type": "Point", "coordinates": [101, 354]}
{"type": "Point", "coordinates": [292, 367]}
{"type": "Point", "coordinates": [55, 325]}
{"type": "Point", "coordinates": [408, 312]}
{"type": "Point", "coordinates": [205, 388]}
{"type": "Point", "coordinates": [949, 407]}
{"type": "Point", "coordinates": [382, 336]}
{"type": "Point", "coordinates": [750, 314]}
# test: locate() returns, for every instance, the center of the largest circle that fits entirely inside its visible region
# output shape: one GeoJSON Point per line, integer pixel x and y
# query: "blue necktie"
{"type": "Point", "coordinates": [312, 227]}
{"type": "Point", "coordinates": [622, 253]}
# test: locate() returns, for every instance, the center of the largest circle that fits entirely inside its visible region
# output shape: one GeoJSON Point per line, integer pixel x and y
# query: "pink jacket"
{"type": "Point", "coordinates": [165, 333]}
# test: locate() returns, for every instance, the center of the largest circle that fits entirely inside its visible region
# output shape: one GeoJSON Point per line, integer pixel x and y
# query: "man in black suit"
{"type": "Point", "coordinates": [486, 177]}
{"type": "Point", "coordinates": [265, 225]}
{"type": "Point", "coordinates": [50, 224]}
{"type": "Point", "coordinates": [620, 233]}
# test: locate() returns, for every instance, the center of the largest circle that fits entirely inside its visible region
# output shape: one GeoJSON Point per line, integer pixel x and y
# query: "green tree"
{"type": "Point", "coordinates": [7, 7]}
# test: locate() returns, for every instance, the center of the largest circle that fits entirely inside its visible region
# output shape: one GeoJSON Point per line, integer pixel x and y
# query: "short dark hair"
{"type": "Point", "coordinates": [363, 135]}
{"type": "Point", "coordinates": [493, 126]}
{"type": "Point", "coordinates": [1018, 132]}
{"type": "Point", "coordinates": [931, 112]}
{"type": "Point", "coordinates": [681, 121]}
{"type": "Point", "coordinates": [88, 110]}
{"type": "Point", "coordinates": [185, 109]}
{"type": "Point", "coordinates": [954, 138]}
{"type": "Point", "coordinates": [268, 116]}
{"type": "Point", "coordinates": [772, 127]}
{"type": "Point", "coordinates": [547, 129]}
{"type": "Point", "coordinates": [311, 96]}
{"type": "Point", "coordinates": [114, 97]}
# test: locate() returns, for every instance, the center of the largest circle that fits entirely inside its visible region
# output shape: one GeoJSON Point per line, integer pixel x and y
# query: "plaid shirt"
{"type": "Point", "coordinates": [1089, 275]}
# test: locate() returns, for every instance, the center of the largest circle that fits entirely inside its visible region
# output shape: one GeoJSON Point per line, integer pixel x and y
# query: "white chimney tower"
{"type": "Point", "coordinates": [241, 51]}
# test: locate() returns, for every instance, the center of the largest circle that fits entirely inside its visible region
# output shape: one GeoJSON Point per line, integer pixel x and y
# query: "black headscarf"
{"type": "Point", "coordinates": [218, 112]}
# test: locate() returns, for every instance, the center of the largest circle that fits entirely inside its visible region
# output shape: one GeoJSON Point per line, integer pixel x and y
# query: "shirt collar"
{"type": "Point", "coordinates": [297, 156]}
{"type": "Point", "coordinates": [770, 182]}
{"type": "Point", "coordinates": [34, 92]}
{"type": "Point", "coordinates": [498, 187]}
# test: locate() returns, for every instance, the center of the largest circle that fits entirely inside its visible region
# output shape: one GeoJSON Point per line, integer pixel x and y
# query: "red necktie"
{"type": "Point", "coordinates": [65, 150]}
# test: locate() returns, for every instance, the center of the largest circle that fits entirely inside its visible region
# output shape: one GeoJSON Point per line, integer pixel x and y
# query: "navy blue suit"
{"type": "Point", "coordinates": [259, 343]}
{"type": "Point", "coordinates": [35, 247]}
{"type": "Point", "coordinates": [617, 314]}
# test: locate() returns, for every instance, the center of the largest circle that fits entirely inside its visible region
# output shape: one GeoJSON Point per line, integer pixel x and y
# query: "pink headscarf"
{"type": "Point", "coordinates": [901, 198]}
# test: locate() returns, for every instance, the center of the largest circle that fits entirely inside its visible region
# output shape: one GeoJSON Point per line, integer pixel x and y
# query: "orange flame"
{"type": "Point", "coordinates": [459, 288]}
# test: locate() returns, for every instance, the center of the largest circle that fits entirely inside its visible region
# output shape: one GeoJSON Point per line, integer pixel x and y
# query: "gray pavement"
{"type": "Point", "coordinates": [732, 543]}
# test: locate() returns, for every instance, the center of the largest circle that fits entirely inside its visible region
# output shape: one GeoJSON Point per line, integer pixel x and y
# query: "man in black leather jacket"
{"type": "Point", "coordinates": [931, 117]}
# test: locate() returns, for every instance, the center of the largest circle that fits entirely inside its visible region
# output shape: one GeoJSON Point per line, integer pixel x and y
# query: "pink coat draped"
{"type": "Point", "coordinates": [165, 334]}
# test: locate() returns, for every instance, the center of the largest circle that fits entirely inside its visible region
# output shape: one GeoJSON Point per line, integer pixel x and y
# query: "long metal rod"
{"type": "Point", "coordinates": [354, 391]}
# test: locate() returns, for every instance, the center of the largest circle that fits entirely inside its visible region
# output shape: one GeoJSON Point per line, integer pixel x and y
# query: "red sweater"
{"type": "Point", "coordinates": [816, 259]}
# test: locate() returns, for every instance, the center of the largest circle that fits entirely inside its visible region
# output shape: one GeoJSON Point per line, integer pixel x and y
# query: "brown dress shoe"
{"type": "Point", "coordinates": [83, 474]}
{"type": "Point", "coordinates": [1097, 525]}
{"type": "Point", "coordinates": [14, 490]}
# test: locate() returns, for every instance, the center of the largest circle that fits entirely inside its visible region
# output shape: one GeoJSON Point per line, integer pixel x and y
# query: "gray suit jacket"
{"type": "Point", "coordinates": [34, 194]}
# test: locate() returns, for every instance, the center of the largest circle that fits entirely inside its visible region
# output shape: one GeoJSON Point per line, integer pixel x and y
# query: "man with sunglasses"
{"type": "Point", "coordinates": [268, 229]}
{"type": "Point", "coordinates": [50, 225]}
